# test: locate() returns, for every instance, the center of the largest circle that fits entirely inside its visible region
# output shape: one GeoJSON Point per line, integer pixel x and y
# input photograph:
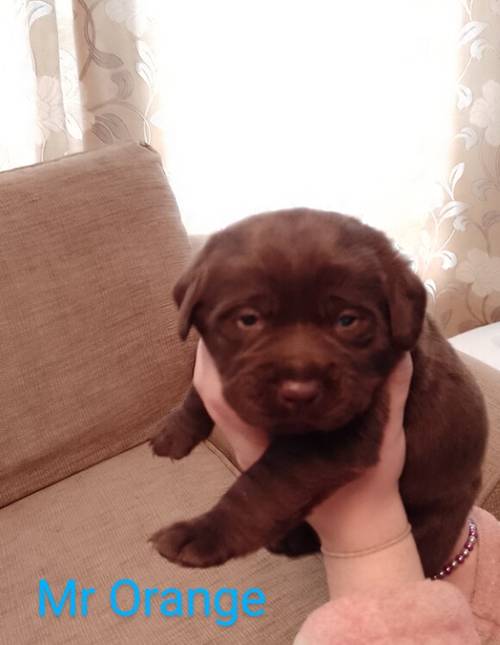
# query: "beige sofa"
{"type": "Point", "coordinates": [90, 362]}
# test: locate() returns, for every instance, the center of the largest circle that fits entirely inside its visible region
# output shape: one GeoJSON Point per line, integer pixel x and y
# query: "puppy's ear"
{"type": "Point", "coordinates": [407, 301]}
{"type": "Point", "coordinates": [187, 293]}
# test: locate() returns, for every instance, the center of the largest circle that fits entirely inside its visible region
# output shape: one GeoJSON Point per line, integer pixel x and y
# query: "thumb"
{"type": "Point", "coordinates": [398, 385]}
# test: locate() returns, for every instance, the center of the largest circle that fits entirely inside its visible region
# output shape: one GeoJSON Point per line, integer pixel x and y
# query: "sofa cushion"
{"type": "Point", "coordinates": [93, 527]}
{"type": "Point", "coordinates": [90, 246]}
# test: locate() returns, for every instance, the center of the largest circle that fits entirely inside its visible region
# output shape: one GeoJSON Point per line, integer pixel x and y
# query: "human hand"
{"type": "Point", "coordinates": [347, 519]}
{"type": "Point", "coordinates": [368, 513]}
{"type": "Point", "coordinates": [364, 513]}
{"type": "Point", "coordinates": [344, 519]}
{"type": "Point", "coordinates": [248, 443]}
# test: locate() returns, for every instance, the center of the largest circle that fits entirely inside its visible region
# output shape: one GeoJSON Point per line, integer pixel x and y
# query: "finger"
{"type": "Point", "coordinates": [202, 357]}
{"type": "Point", "coordinates": [400, 377]}
{"type": "Point", "coordinates": [398, 385]}
{"type": "Point", "coordinates": [208, 383]}
{"type": "Point", "coordinates": [198, 361]}
{"type": "Point", "coordinates": [206, 377]}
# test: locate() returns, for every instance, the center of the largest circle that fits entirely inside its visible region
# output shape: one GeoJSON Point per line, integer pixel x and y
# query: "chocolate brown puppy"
{"type": "Point", "coordinates": [305, 314]}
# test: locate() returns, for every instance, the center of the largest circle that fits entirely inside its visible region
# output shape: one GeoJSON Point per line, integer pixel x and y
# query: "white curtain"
{"type": "Point", "coordinates": [338, 105]}
{"type": "Point", "coordinates": [387, 109]}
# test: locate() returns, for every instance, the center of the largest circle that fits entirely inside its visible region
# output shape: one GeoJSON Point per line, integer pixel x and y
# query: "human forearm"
{"type": "Point", "coordinates": [364, 527]}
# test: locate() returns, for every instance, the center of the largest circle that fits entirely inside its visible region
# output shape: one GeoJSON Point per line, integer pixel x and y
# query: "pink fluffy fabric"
{"type": "Point", "coordinates": [426, 612]}
{"type": "Point", "coordinates": [485, 598]}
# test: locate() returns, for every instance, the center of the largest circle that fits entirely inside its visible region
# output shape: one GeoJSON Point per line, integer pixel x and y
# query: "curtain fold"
{"type": "Point", "coordinates": [84, 73]}
{"type": "Point", "coordinates": [457, 252]}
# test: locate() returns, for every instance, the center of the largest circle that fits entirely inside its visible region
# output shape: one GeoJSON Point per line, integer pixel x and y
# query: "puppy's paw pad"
{"type": "Point", "coordinates": [192, 544]}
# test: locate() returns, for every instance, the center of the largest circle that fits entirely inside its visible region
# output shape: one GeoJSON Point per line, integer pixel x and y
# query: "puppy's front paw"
{"type": "Point", "coordinates": [175, 440]}
{"type": "Point", "coordinates": [196, 543]}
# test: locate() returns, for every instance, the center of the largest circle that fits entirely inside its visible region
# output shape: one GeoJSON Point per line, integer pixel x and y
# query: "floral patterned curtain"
{"type": "Point", "coordinates": [457, 253]}
{"type": "Point", "coordinates": [83, 73]}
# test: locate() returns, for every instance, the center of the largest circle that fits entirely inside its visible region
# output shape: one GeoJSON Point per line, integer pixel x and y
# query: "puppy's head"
{"type": "Point", "coordinates": [304, 312]}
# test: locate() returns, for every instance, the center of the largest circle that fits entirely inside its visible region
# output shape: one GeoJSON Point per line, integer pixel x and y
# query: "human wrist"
{"type": "Point", "coordinates": [381, 550]}
{"type": "Point", "coordinates": [359, 526]}
{"type": "Point", "coordinates": [393, 566]}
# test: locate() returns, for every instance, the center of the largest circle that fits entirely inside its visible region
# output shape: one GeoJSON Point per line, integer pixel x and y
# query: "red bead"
{"type": "Point", "coordinates": [460, 558]}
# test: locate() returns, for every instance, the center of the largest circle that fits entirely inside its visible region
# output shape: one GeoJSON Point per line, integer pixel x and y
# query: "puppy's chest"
{"type": "Point", "coordinates": [356, 444]}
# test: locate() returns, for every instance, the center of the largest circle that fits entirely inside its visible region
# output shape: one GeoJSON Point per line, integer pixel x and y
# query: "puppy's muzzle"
{"type": "Point", "coordinates": [298, 392]}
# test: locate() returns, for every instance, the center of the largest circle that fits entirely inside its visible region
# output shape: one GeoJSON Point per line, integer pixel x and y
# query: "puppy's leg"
{"type": "Point", "coordinates": [267, 500]}
{"type": "Point", "coordinates": [185, 427]}
{"type": "Point", "coordinates": [301, 540]}
{"type": "Point", "coordinates": [436, 530]}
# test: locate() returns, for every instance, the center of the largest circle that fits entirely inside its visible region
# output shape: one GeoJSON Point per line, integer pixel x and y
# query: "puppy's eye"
{"type": "Point", "coordinates": [347, 320]}
{"type": "Point", "coordinates": [249, 319]}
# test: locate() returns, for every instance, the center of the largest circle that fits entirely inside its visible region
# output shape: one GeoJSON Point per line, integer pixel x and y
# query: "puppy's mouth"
{"type": "Point", "coordinates": [301, 409]}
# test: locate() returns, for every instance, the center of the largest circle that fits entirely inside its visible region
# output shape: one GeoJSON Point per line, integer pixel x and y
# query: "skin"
{"type": "Point", "coordinates": [346, 520]}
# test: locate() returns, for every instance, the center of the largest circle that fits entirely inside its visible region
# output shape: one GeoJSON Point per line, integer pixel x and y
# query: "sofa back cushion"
{"type": "Point", "coordinates": [90, 361]}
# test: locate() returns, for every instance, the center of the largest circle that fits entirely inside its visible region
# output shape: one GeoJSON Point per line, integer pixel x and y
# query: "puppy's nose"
{"type": "Point", "coordinates": [298, 391]}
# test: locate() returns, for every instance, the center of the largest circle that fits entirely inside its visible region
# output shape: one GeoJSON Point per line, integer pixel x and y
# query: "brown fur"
{"type": "Point", "coordinates": [299, 270]}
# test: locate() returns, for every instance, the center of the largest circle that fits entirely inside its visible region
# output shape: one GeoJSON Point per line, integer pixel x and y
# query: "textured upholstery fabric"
{"type": "Point", "coordinates": [94, 526]}
{"type": "Point", "coordinates": [90, 246]}
{"type": "Point", "coordinates": [491, 501]}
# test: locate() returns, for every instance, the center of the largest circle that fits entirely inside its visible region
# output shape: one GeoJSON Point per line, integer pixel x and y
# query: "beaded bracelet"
{"type": "Point", "coordinates": [459, 559]}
